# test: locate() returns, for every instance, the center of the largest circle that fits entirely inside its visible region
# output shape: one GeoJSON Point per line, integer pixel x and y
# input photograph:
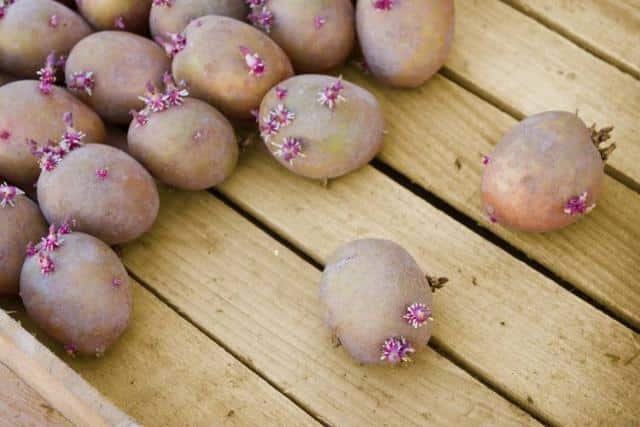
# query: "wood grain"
{"type": "Point", "coordinates": [605, 27]}
{"type": "Point", "coordinates": [554, 353]}
{"type": "Point", "coordinates": [525, 68]}
{"type": "Point", "coordinates": [165, 372]}
{"type": "Point", "coordinates": [437, 138]}
{"type": "Point", "coordinates": [21, 405]}
{"type": "Point", "coordinates": [260, 300]}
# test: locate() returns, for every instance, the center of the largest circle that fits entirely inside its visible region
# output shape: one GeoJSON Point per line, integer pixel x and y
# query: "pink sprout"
{"type": "Point", "coordinates": [8, 194]}
{"type": "Point", "coordinates": [262, 18]}
{"type": "Point", "coordinates": [282, 116]}
{"type": "Point", "coordinates": [268, 129]}
{"type": "Point", "coordinates": [253, 61]}
{"type": "Point", "coordinates": [66, 226]}
{"type": "Point", "coordinates": [102, 173]}
{"type": "Point", "coordinates": [71, 138]}
{"type": "Point", "coordinates": [32, 250]}
{"type": "Point", "coordinates": [141, 117]}
{"type": "Point", "coordinates": [116, 282]}
{"type": "Point", "coordinates": [174, 45]}
{"type": "Point", "coordinates": [54, 21]}
{"type": "Point", "coordinates": [256, 114]}
{"type": "Point", "coordinates": [47, 74]}
{"type": "Point", "coordinates": [153, 99]}
{"type": "Point", "coordinates": [256, 3]}
{"type": "Point", "coordinates": [418, 315]}
{"type": "Point", "coordinates": [577, 205]}
{"type": "Point", "coordinates": [52, 241]}
{"type": "Point", "coordinates": [46, 264]}
{"type": "Point", "coordinates": [486, 160]}
{"type": "Point", "coordinates": [281, 92]}
{"type": "Point", "coordinates": [332, 94]}
{"type": "Point", "coordinates": [174, 93]}
{"type": "Point", "coordinates": [382, 4]}
{"type": "Point", "coordinates": [5, 134]}
{"type": "Point", "coordinates": [163, 3]}
{"type": "Point", "coordinates": [70, 349]}
{"type": "Point", "coordinates": [82, 81]}
{"type": "Point", "coordinates": [4, 5]}
{"type": "Point", "coordinates": [290, 149]}
{"type": "Point", "coordinates": [319, 21]}
{"type": "Point", "coordinates": [48, 155]}
{"type": "Point", "coordinates": [119, 23]}
{"type": "Point", "coordinates": [396, 350]}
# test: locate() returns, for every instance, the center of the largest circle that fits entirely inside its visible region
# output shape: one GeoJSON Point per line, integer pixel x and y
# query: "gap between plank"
{"type": "Point", "coordinates": [238, 357]}
{"type": "Point", "coordinates": [433, 343]}
{"type": "Point", "coordinates": [574, 38]}
{"type": "Point", "coordinates": [510, 110]}
{"type": "Point", "coordinates": [474, 226]}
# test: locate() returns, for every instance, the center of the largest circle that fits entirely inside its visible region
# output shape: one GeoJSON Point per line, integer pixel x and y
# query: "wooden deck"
{"type": "Point", "coordinates": [531, 329]}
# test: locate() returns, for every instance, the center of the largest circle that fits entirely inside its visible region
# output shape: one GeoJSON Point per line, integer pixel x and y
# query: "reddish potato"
{"type": "Point", "coordinates": [20, 223]}
{"type": "Point", "coordinates": [189, 146]}
{"type": "Point", "coordinates": [545, 173]}
{"type": "Point", "coordinates": [120, 65]}
{"type": "Point", "coordinates": [108, 193]}
{"type": "Point", "coordinates": [378, 302]}
{"type": "Point", "coordinates": [229, 64]}
{"type": "Point", "coordinates": [27, 113]}
{"type": "Point", "coordinates": [320, 126]}
{"type": "Point", "coordinates": [317, 35]}
{"type": "Point", "coordinates": [31, 29]}
{"type": "Point", "coordinates": [405, 42]}
{"type": "Point", "coordinates": [129, 15]}
{"type": "Point", "coordinates": [172, 16]}
{"type": "Point", "coordinates": [77, 290]}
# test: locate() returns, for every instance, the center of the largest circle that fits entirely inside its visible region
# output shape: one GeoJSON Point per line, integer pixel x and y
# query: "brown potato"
{"type": "Point", "coordinates": [317, 35]}
{"type": "Point", "coordinates": [172, 16]}
{"type": "Point", "coordinates": [20, 223]}
{"type": "Point", "coordinates": [378, 301]}
{"type": "Point", "coordinates": [108, 194]}
{"type": "Point", "coordinates": [121, 63]}
{"type": "Point", "coordinates": [316, 139]}
{"type": "Point", "coordinates": [405, 42]}
{"type": "Point", "coordinates": [31, 29]}
{"type": "Point", "coordinates": [230, 64]}
{"type": "Point", "coordinates": [78, 292]}
{"type": "Point", "coordinates": [191, 146]}
{"type": "Point", "coordinates": [129, 15]}
{"type": "Point", "coordinates": [26, 113]}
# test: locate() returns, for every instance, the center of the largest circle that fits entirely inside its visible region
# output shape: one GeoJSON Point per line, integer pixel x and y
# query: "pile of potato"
{"type": "Point", "coordinates": [179, 75]}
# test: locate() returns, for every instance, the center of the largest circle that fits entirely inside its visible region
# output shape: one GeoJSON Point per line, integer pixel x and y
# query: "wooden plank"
{"type": "Point", "coordinates": [608, 28]}
{"type": "Point", "coordinates": [551, 351]}
{"type": "Point", "coordinates": [64, 391]}
{"type": "Point", "coordinates": [260, 300]}
{"type": "Point", "coordinates": [526, 68]}
{"type": "Point", "coordinates": [21, 405]}
{"type": "Point", "coordinates": [430, 144]}
{"type": "Point", "coordinates": [163, 371]}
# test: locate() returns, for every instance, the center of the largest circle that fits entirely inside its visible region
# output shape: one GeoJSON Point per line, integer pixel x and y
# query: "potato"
{"type": "Point", "coordinates": [108, 193]}
{"type": "Point", "coordinates": [20, 223]}
{"type": "Point", "coordinates": [172, 16]}
{"type": "Point", "coordinates": [77, 290]}
{"type": "Point", "coordinates": [321, 127]}
{"type": "Point", "coordinates": [129, 15]}
{"type": "Point", "coordinates": [31, 29]}
{"type": "Point", "coordinates": [121, 64]}
{"type": "Point", "coordinates": [229, 64]}
{"type": "Point", "coordinates": [6, 78]}
{"type": "Point", "coordinates": [317, 35]}
{"type": "Point", "coordinates": [191, 146]}
{"type": "Point", "coordinates": [546, 173]}
{"type": "Point", "coordinates": [378, 303]}
{"type": "Point", "coordinates": [26, 113]}
{"type": "Point", "coordinates": [405, 42]}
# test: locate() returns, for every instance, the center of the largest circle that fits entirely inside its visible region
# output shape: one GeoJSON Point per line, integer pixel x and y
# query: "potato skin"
{"type": "Point", "coordinates": [26, 113]}
{"type": "Point", "coordinates": [102, 14]}
{"type": "Point", "coordinates": [214, 66]}
{"type": "Point", "coordinates": [313, 49]}
{"type": "Point", "coordinates": [122, 64]}
{"type": "Point", "coordinates": [115, 209]}
{"type": "Point", "coordinates": [540, 164]}
{"type": "Point", "coordinates": [406, 45]}
{"type": "Point", "coordinates": [334, 142]}
{"type": "Point", "coordinates": [26, 38]}
{"type": "Point", "coordinates": [19, 225]}
{"type": "Point", "coordinates": [79, 304]}
{"type": "Point", "coordinates": [191, 147]}
{"type": "Point", "coordinates": [174, 19]}
{"type": "Point", "coordinates": [366, 288]}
